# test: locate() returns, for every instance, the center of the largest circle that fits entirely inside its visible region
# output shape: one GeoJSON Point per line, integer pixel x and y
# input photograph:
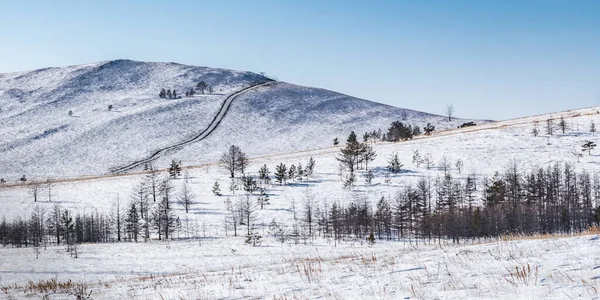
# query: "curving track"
{"type": "Point", "coordinates": [200, 136]}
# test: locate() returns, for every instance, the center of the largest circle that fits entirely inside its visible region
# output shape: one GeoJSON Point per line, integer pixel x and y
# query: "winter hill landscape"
{"type": "Point", "coordinates": [115, 190]}
{"type": "Point", "coordinates": [41, 139]}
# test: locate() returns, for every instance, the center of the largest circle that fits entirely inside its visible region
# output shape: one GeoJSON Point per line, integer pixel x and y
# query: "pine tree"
{"type": "Point", "coordinates": [292, 172]}
{"type": "Point", "coordinates": [216, 189]}
{"type": "Point", "coordinates": [175, 169]}
{"type": "Point", "coordinates": [132, 223]}
{"type": "Point", "coordinates": [371, 239]}
{"type": "Point", "coordinates": [68, 228]}
{"type": "Point", "coordinates": [281, 173]}
{"type": "Point", "coordinates": [429, 128]}
{"type": "Point", "coordinates": [310, 167]}
{"type": "Point", "coordinates": [336, 142]}
{"type": "Point", "coordinates": [162, 94]}
{"type": "Point", "coordinates": [263, 199]}
{"type": "Point", "coordinates": [562, 124]}
{"type": "Point", "coordinates": [588, 146]}
{"type": "Point", "coordinates": [201, 86]}
{"type": "Point", "coordinates": [263, 175]}
{"type": "Point", "coordinates": [394, 164]}
{"type": "Point", "coordinates": [300, 172]}
{"type": "Point", "coordinates": [593, 127]}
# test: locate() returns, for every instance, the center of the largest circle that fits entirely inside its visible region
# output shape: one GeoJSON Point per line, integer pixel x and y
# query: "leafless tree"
{"type": "Point", "coordinates": [450, 111]}
{"type": "Point", "coordinates": [187, 197]}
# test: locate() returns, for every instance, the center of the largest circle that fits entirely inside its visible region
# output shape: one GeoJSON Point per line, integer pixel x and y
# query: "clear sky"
{"type": "Point", "coordinates": [490, 59]}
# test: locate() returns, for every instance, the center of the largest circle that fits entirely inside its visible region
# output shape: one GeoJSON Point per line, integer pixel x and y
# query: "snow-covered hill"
{"type": "Point", "coordinates": [39, 138]}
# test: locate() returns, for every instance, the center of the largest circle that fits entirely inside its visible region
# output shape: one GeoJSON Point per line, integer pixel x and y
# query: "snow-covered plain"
{"type": "Point", "coordinates": [216, 265]}
{"type": "Point", "coordinates": [281, 123]}
{"type": "Point", "coordinates": [549, 268]}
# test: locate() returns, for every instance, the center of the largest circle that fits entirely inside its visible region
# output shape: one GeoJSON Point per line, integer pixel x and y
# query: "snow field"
{"type": "Point", "coordinates": [224, 268]}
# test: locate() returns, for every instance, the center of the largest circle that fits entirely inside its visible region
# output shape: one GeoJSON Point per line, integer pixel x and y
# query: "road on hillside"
{"type": "Point", "coordinates": [200, 136]}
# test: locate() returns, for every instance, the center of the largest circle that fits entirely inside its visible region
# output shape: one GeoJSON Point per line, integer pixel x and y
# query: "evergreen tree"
{"type": "Point", "coordinates": [132, 223]}
{"type": "Point", "coordinates": [175, 169]}
{"type": "Point", "coordinates": [263, 175]}
{"type": "Point", "coordinates": [429, 128]}
{"type": "Point", "coordinates": [263, 199]}
{"type": "Point", "coordinates": [593, 127]}
{"type": "Point", "coordinates": [68, 229]}
{"type": "Point", "coordinates": [588, 146]}
{"type": "Point", "coordinates": [216, 189]}
{"type": "Point", "coordinates": [292, 172]}
{"type": "Point", "coordinates": [394, 164]}
{"type": "Point", "coordinates": [562, 124]}
{"type": "Point", "coordinates": [162, 94]}
{"type": "Point", "coordinates": [300, 172]}
{"type": "Point", "coordinates": [310, 167]}
{"type": "Point", "coordinates": [281, 173]}
{"type": "Point", "coordinates": [201, 86]}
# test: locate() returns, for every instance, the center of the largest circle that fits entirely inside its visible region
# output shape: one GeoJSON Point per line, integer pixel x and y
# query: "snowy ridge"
{"type": "Point", "coordinates": [202, 135]}
{"type": "Point", "coordinates": [38, 137]}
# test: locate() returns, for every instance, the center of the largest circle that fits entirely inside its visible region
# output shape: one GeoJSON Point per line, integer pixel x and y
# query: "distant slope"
{"type": "Point", "coordinates": [38, 137]}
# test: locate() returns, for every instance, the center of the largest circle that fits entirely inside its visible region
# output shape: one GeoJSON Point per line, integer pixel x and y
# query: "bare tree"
{"type": "Point", "coordinates": [444, 164]}
{"type": "Point", "coordinates": [34, 189]}
{"type": "Point", "coordinates": [459, 165]}
{"type": "Point", "coordinates": [450, 111]}
{"type": "Point", "coordinates": [152, 181]}
{"type": "Point", "coordinates": [187, 197]}
{"type": "Point", "coordinates": [116, 216]}
{"type": "Point", "coordinates": [549, 126]}
{"type": "Point", "coordinates": [309, 211]}
{"type": "Point", "coordinates": [234, 160]}
{"type": "Point", "coordinates": [428, 161]}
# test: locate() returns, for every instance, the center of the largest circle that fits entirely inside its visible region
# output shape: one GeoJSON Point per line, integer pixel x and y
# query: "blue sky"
{"type": "Point", "coordinates": [490, 59]}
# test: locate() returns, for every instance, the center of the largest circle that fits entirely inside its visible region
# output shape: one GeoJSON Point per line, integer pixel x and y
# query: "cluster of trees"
{"type": "Point", "coordinates": [168, 94]}
{"type": "Point", "coordinates": [552, 200]}
{"type": "Point", "coordinates": [467, 124]}
{"type": "Point", "coordinates": [202, 87]}
{"type": "Point", "coordinates": [353, 156]}
{"type": "Point", "coordinates": [562, 125]}
{"type": "Point", "coordinates": [283, 174]}
{"type": "Point", "coordinates": [149, 212]}
{"type": "Point", "coordinates": [398, 131]}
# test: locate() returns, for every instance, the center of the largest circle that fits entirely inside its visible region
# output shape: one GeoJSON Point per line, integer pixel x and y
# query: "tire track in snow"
{"type": "Point", "coordinates": [200, 136]}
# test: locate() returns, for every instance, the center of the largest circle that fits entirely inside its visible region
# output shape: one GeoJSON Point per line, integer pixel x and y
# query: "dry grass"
{"type": "Point", "coordinates": [43, 287]}
{"type": "Point", "coordinates": [594, 230]}
{"type": "Point", "coordinates": [525, 275]}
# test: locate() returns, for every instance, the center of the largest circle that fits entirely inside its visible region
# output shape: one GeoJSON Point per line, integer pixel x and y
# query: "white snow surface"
{"type": "Point", "coordinates": [215, 265]}
{"type": "Point", "coordinates": [38, 138]}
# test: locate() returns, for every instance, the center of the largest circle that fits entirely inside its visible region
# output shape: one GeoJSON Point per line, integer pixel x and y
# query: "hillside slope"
{"type": "Point", "coordinates": [40, 139]}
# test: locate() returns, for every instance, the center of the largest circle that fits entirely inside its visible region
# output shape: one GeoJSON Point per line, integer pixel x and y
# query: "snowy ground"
{"type": "Point", "coordinates": [217, 266]}
{"type": "Point", "coordinates": [551, 268]}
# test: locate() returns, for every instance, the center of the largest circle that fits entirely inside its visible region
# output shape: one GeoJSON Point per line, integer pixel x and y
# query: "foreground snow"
{"type": "Point", "coordinates": [552, 268]}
